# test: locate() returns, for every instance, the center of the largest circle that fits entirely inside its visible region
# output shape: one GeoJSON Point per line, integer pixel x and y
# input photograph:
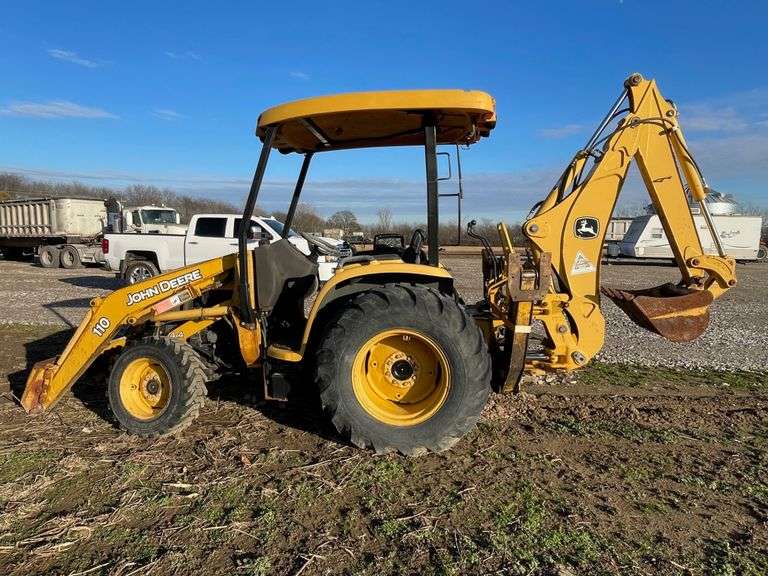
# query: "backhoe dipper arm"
{"type": "Point", "coordinates": [571, 224]}
{"type": "Point", "coordinates": [98, 332]}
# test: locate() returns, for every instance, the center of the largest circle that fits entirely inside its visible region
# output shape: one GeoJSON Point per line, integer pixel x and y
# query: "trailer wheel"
{"type": "Point", "coordinates": [403, 368]}
{"type": "Point", "coordinates": [157, 387]}
{"type": "Point", "coordinates": [70, 257]}
{"type": "Point", "coordinates": [762, 253]}
{"type": "Point", "coordinates": [49, 256]}
{"type": "Point", "coordinates": [140, 270]}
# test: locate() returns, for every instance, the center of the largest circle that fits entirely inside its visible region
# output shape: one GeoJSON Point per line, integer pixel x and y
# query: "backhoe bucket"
{"type": "Point", "coordinates": [678, 314]}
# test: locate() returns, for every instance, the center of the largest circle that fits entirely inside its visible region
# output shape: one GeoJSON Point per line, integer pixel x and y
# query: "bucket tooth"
{"type": "Point", "coordinates": [678, 314]}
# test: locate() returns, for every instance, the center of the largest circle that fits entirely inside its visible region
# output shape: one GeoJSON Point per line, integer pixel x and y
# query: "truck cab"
{"type": "Point", "coordinates": [136, 257]}
{"type": "Point", "coordinates": [152, 220]}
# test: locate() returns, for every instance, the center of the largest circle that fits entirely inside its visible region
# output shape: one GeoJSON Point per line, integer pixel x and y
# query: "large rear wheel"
{"type": "Point", "coordinates": [157, 387]}
{"type": "Point", "coordinates": [403, 368]}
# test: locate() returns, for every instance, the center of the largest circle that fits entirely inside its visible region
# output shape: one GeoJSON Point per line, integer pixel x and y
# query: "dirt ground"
{"type": "Point", "coordinates": [626, 471]}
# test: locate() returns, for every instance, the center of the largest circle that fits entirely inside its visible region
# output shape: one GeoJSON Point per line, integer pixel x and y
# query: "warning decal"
{"type": "Point", "coordinates": [581, 264]}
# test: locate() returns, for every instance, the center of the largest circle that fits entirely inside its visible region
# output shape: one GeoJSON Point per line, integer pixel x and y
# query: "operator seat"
{"type": "Point", "coordinates": [282, 272]}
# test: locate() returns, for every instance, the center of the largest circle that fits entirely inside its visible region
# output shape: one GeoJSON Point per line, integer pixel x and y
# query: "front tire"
{"type": "Point", "coordinates": [403, 368]}
{"type": "Point", "coordinates": [157, 387]}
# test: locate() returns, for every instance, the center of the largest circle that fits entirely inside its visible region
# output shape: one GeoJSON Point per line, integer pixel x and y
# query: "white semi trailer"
{"type": "Point", "coordinates": [67, 232]}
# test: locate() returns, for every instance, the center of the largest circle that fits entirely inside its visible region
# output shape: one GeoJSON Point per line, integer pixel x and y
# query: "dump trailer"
{"type": "Point", "coordinates": [398, 358]}
{"type": "Point", "coordinates": [60, 231]}
{"type": "Point", "coordinates": [67, 232]}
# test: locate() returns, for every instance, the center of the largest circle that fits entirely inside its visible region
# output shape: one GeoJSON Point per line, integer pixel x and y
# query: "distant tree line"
{"type": "Point", "coordinates": [14, 186]}
{"type": "Point", "coordinates": [306, 219]}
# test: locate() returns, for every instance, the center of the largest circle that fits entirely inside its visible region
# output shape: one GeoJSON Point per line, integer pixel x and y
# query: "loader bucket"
{"type": "Point", "coordinates": [678, 314]}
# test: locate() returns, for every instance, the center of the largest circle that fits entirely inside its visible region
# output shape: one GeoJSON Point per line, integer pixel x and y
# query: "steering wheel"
{"type": "Point", "coordinates": [414, 254]}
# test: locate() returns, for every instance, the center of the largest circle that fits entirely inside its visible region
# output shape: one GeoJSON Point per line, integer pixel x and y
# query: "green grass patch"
{"type": "Point", "coordinates": [631, 375]}
{"type": "Point", "coordinates": [17, 464]}
{"type": "Point", "coordinates": [620, 428]}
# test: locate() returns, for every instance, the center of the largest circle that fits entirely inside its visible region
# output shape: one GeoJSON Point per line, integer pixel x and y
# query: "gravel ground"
{"type": "Point", "coordinates": [736, 339]}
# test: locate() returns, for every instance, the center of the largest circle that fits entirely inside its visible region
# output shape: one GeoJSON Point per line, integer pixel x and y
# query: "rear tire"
{"type": "Point", "coordinates": [762, 253]}
{"type": "Point", "coordinates": [403, 368]}
{"type": "Point", "coordinates": [140, 270]}
{"type": "Point", "coordinates": [157, 387]}
{"type": "Point", "coordinates": [49, 256]}
{"type": "Point", "coordinates": [69, 257]}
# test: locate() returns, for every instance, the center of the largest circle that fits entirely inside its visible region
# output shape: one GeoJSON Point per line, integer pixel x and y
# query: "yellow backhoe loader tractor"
{"type": "Point", "coordinates": [400, 361]}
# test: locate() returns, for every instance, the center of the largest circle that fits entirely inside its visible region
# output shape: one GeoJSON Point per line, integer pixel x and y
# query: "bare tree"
{"type": "Point", "coordinates": [305, 219]}
{"type": "Point", "coordinates": [384, 216]}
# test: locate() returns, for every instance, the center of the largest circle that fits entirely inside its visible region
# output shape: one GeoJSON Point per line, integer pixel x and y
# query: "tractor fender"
{"type": "Point", "coordinates": [360, 277]}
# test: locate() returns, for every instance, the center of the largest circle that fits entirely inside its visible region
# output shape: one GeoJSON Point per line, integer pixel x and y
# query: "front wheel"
{"type": "Point", "coordinates": [157, 387]}
{"type": "Point", "coordinates": [403, 368]}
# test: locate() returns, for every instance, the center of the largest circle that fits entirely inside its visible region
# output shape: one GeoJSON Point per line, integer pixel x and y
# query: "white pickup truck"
{"type": "Point", "coordinates": [136, 257]}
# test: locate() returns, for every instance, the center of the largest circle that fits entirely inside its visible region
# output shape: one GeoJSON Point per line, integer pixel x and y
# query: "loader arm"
{"type": "Point", "coordinates": [107, 317]}
{"type": "Point", "coordinates": [571, 224]}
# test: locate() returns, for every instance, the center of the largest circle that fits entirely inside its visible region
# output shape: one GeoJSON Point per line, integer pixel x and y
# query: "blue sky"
{"type": "Point", "coordinates": [168, 93]}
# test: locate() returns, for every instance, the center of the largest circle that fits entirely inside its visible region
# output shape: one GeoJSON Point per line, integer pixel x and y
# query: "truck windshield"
{"type": "Point", "coordinates": [158, 216]}
{"type": "Point", "coordinates": [277, 226]}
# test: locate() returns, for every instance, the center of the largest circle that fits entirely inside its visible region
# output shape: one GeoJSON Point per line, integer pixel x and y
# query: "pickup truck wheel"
{"type": "Point", "coordinates": [70, 257]}
{"type": "Point", "coordinates": [157, 387]}
{"type": "Point", "coordinates": [49, 256]}
{"type": "Point", "coordinates": [140, 270]}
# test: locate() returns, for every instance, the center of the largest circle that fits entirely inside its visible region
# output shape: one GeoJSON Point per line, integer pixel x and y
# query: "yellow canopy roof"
{"type": "Point", "coordinates": [391, 118]}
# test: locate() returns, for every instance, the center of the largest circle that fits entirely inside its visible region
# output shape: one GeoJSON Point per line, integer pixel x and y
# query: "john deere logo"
{"type": "Point", "coordinates": [586, 227]}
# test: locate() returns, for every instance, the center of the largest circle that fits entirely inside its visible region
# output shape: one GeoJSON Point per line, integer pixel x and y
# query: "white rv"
{"type": "Point", "coordinates": [739, 235]}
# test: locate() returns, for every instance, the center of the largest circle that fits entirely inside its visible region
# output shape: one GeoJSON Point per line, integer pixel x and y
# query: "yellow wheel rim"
{"type": "Point", "coordinates": [401, 377]}
{"type": "Point", "coordinates": [145, 389]}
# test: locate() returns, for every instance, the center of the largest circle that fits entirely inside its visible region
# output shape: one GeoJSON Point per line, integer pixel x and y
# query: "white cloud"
{"type": "Point", "coordinates": [73, 57]}
{"type": "Point", "coordinates": [167, 114]}
{"type": "Point", "coordinates": [188, 55]}
{"type": "Point", "coordinates": [734, 156]}
{"type": "Point", "coordinates": [299, 75]}
{"type": "Point", "coordinates": [54, 109]}
{"type": "Point", "coordinates": [561, 131]}
{"type": "Point", "coordinates": [712, 118]}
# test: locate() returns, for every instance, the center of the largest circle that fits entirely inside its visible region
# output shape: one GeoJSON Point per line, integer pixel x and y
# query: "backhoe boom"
{"type": "Point", "coordinates": [571, 223]}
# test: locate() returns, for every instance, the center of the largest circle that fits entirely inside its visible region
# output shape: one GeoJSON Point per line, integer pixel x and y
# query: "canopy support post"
{"type": "Point", "coordinates": [246, 315]}
{"type": "Point", "coordinates": [297, 193]}
{"type": "Point", "coordinates": [430, 156]}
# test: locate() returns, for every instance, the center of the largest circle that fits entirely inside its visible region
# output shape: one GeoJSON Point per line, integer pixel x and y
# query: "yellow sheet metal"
{"type": "Point", "coordinates": [370, 119]}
